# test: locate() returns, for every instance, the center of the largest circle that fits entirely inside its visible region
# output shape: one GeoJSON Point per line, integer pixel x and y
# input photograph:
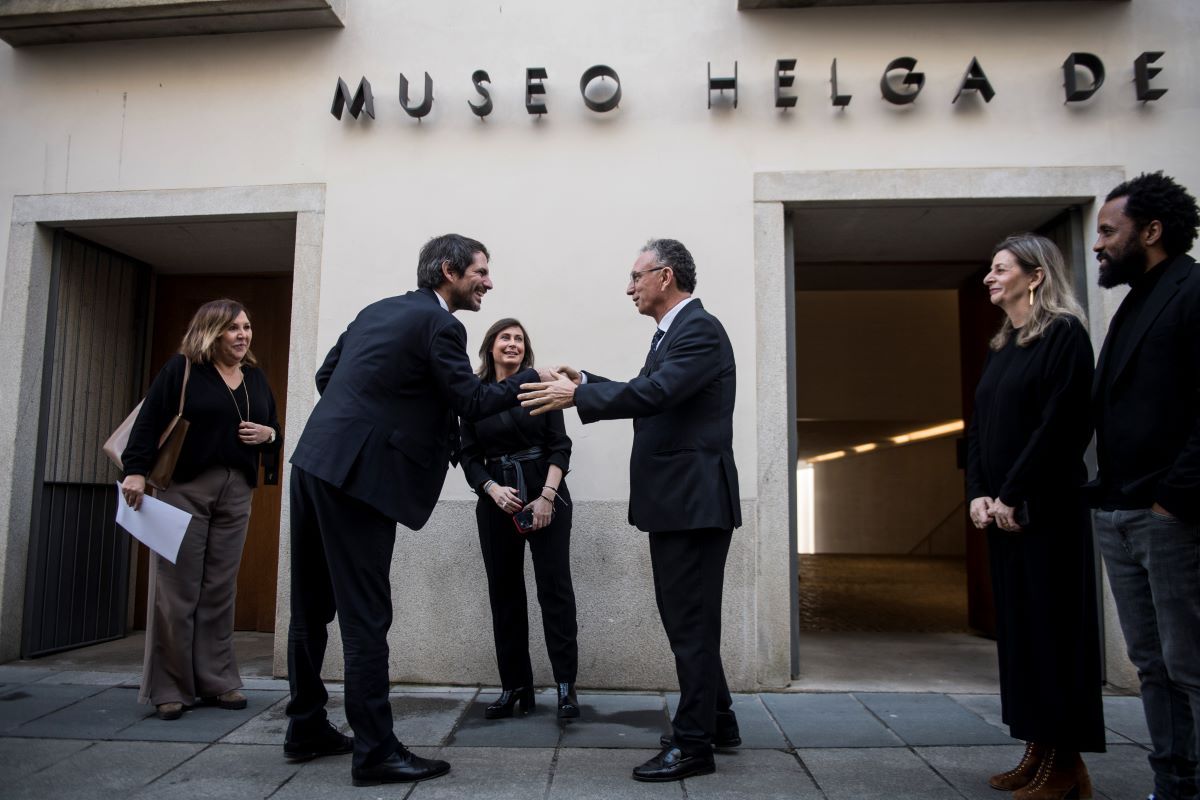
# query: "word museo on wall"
{"type": "Point", "coordinates": [900, 84]}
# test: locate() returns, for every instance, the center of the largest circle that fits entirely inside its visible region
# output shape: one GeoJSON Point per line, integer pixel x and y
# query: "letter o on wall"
{"type": "Point", "coordinates": [592, 73]}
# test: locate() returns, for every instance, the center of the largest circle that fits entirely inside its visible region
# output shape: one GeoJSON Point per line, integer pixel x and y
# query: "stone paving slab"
{"type": "Point", "coordinates": [21, 757]}
{"type": "Point", "coordinates": [270, 726]}
{"type": "Point", "coordinates": [199, 724]}
{"type": "Point", "coordinates": [749, 774]}
{"type": "Point", "coordinates": [987, 706]}
{"type": "Point", "coordinates": [606, 775]}
{"type": "Point", "coordinates": [828, 720]}
{"type": "Point", "coordinates": [1121, 773]}
{"type": "Point", "coordinates": [232, 771]}
{"type": "Point", "coordinates": [15, 675]}
{"type": "Point", "coordinates": [931, 719]}
{"type": "Point", "coordinates": [755, 724]}
{"type": "Point", "coordinates": [896, 773]}
{"type": "Point", "coordinates": [102, 770]}
{"type": "Point", "coordinates": [539, 729]}
{"type": "Point", "coordinates": [968, 768]}
{"type": "Point", "coordinates": [428, 718]}
{"type": "Point", "coordinates": [101, 716]}
{"type": "Point", "coordinates": [1125, 716]}
{"type": "Point", "coordinates": [489, 773]}
{"type": "Point", "coordinates": [24, 703]}
{"type": "Point", "coordinates": [329, 779]}
{"type": "Point", "coordinates": [93, 678]}
{"type": "Point", "coordinates": [618, 720]}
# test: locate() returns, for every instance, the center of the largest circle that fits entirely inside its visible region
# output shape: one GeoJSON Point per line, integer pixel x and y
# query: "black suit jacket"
{"type": "Point", "coordinates": [385, 427]}
{"type": "Point", "coordinates": [682, 474]}
{"type": "Point", "coordinates": [1149, 435]}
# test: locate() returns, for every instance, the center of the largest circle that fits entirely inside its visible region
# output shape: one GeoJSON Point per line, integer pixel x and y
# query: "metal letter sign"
{"type": "Point", "coordinates": [426, 104]}
{"type": "Point", "coordinates": [362, 100]}
{"type": "Point", "coordinates": [975, 80]}
{"type": "Point", "coordinates": [721, 84]}
{"type": "Point", "coordinates": [1143, 72]}
{"type": "Point", "coordinates": [839, 100]}
{"type": "Point", "coordinates": [784, 81]}
{"type": "Point", "coordinates": [533, 85]}
{"type": "Point", "coordinates": [479, 77]}
{"type": "Point", "coordinates": [916, 79]}
{"type": "Point", "coordinates": [590, 74]}
{"type": "Point", "coordinates": [1092, 64]}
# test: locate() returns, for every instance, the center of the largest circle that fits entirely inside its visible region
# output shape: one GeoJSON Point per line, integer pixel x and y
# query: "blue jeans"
{"type": "Point", "coordinates": [1153, 567]}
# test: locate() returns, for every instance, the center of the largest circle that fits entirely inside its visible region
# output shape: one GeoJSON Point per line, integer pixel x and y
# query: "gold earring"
{"type": "Point", "coordinates": [1030, 295]}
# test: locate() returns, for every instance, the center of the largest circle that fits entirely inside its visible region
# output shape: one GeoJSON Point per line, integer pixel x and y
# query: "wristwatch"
{"type": "Point", "coordinates": [271, 438]}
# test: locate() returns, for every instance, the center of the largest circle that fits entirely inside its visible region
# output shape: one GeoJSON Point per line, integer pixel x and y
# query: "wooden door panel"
{"type": "Point", "coordinates": [269, 301]}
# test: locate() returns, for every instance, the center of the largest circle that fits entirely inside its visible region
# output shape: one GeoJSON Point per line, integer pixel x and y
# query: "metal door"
{"type": "Point", "coordinates": [78, 570]}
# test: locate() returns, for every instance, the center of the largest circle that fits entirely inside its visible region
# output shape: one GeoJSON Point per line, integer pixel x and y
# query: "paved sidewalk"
{"type": "Point", "coordinates": [67, 734]}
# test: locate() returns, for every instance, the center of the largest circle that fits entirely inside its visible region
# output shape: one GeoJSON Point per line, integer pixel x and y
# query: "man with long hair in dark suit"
{"type": "Point", "coordinates": [374, 453]}
{"type": "Point", "coordinates": [683, 488]}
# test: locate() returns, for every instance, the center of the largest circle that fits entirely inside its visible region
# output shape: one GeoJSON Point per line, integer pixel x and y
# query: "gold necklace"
{"type": "Point", "coordinates": [233, 397]}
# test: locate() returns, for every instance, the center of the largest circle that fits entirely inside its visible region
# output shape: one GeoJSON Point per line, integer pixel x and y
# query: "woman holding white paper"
{"type": "Point", "coordinates": [231, 411]}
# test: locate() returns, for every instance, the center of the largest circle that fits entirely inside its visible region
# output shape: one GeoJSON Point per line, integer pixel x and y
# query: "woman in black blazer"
{"type": "Point", "coordinates": [516, 463]}
{"type": "Point", "coordinates": [1025, 471]}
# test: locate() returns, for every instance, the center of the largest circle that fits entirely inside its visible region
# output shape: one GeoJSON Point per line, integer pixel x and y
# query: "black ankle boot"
{"type": "Point", "coordinates": [503, 705]}
{"type": "Point", "coordinates": [568, 706]}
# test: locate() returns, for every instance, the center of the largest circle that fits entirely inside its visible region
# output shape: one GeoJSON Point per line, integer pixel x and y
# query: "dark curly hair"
{"type": "Point", "coordinates": [671, 253]}
{"type": "Point", "coordinates": [1154, 196]}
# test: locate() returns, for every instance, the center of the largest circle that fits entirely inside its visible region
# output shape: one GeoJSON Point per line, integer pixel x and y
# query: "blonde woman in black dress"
{"type": "Point", "coordinates": [516, 462]}
{"type": "Point", "coordinates": [1025, 468]}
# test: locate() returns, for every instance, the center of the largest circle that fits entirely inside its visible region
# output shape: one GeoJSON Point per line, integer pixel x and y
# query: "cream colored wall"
{"type": "Point", "coordinates": [564, 202]}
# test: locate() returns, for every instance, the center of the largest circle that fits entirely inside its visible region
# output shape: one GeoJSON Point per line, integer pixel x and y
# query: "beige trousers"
{"type": "Point", "coordinates": [189, 618]}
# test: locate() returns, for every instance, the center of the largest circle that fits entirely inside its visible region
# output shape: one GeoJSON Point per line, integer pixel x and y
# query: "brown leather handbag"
{"type": "Point", "coordinates": [169, 444]}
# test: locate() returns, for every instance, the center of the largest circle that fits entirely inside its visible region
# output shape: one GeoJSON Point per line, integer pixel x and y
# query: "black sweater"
{"type": "Point", "coordinates": [214, 413]}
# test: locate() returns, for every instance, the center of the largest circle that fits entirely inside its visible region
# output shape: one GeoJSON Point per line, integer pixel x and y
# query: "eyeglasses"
{"type": "Point", "coordinates": [633, 276]}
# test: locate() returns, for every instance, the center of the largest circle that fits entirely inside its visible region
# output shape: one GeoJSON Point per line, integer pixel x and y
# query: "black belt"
{"type": "Point", "coordinates": [510, 468]}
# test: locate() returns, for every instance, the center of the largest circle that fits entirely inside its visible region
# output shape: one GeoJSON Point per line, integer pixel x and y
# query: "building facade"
{"type": "Point", "coordinates": [300, 155]}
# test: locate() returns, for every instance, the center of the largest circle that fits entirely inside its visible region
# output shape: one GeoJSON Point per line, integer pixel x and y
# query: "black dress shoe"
{"type": "Point", "coordinates": [400, 767]}
{"type": "Point", "coordinates": [327, 742]}
{"type": "Point", "coordinates": [672, 764]}
{"type": "Point", "coordinates": [503, 705]}
{"type": "Point", "coordinates": [568, 706]}
{"type": "Point", "coordinates": [724, 740]}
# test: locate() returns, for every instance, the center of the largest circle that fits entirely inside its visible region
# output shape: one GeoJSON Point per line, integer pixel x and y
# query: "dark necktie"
{"type": "Point", "coordinates": [658, 334]}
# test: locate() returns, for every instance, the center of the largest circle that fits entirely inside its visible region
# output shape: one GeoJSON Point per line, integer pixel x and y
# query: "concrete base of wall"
{"type": "Point", "coordinates": [442, 629]}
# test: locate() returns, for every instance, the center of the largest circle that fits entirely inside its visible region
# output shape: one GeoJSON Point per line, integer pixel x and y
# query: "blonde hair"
{"type": "Point", "coordinates": [207, 325]}
{"type": "Point", "coordinates": [1052, 299]}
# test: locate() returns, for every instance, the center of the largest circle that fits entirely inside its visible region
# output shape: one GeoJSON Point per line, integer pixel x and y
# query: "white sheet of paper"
{"type": "Point", "coordinates": [158, 525]}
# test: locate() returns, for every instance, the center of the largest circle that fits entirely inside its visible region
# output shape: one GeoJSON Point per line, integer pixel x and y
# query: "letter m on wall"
{"type": "Point", "coordinates": [362, 100]}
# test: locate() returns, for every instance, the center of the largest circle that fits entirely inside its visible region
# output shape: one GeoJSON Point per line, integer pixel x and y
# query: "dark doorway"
{"type": "Point", "coordinates": [121, 295]}
{"type": "Point", "coordinates": [269, 300]}
{"type": "Point", "coordinates": [892, 327]}
{"type": "Point", "coordinates": [78, 564]}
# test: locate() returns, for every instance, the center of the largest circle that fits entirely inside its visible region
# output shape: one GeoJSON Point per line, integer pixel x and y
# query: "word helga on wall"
{"type": "Point", "coordinates": [900, 84]}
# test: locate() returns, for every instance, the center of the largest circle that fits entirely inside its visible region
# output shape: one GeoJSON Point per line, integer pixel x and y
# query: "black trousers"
{"type": "Point", "coordinates": [341, 562]}
{"type": "Point", "coordinates": [689, 575]}
{"type": "Point", "coordinates": [504, 560]}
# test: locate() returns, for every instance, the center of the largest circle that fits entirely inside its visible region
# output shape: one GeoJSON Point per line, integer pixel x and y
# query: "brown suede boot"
{"type": "Point", "coordinates": [1023, 773]}
{"type": "Point", "coordinates": [1062, 776]}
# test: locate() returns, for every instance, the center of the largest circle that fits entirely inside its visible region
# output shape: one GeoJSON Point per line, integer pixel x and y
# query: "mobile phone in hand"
{"type": "Point", "coordinates": [524, 520]}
